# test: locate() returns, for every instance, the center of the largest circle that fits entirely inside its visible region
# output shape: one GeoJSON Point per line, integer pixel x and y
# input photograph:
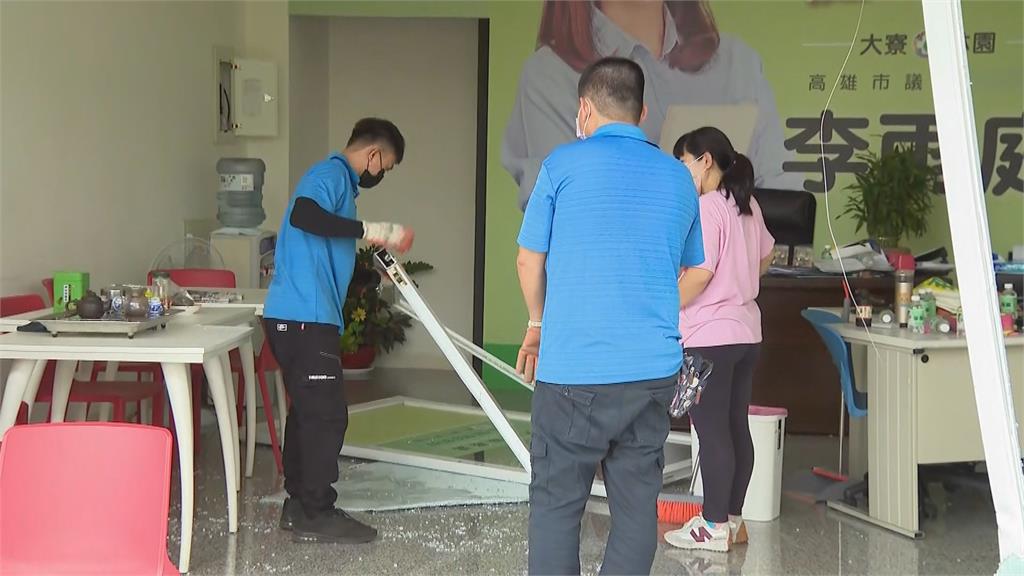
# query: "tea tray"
{"type": "Point", "coordinates": [57, 324]}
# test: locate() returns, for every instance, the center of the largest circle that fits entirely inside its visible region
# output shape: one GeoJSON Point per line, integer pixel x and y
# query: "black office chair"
{"type": "Point", "coordinates": [789, 216]}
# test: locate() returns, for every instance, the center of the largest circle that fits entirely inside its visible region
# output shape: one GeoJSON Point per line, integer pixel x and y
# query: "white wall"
{"type": "Point", "coordinates": [378, 67]}
{"type": "Point", "coordinates": [107, 116]}
{"type": "Point", "coordinates": [309, 90]}
{"type": "Point", "coordinates": [107, 133]}
{"type": "Point", "coordinates": [266, 37]}
{"type": "Point", "coordinates": [108, 112]}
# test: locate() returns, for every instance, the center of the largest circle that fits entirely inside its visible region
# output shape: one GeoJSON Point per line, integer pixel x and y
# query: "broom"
{"type": "Point", "coordinates": [679, 508]}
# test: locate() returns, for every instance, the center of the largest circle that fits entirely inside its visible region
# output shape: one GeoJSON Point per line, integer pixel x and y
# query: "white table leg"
{"type": "Point", "coordinates": [33, 385]}
{"type": "Point", "coordinates": [62, 381]}
{"type": "Point", "coordinates": [214, 367]}
{"type": "Point", "coordinates": [110, 373]}
{"type": "Point", "coordinates": [179, 394]}
{"type": "Point", "coordinates": [14, 392]}
{"type": "Point", "coordinates": [282, 405]}
{"type": "Point", "coordinates": [84, 370]}
{"type": "Point", "coordinates": [233, 406]}
{"type": "Point", "coordinates": [249, 372]}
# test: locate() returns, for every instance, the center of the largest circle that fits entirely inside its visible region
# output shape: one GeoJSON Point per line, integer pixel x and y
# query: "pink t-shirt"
{"type": "Point", "coordinates": [734, 245]}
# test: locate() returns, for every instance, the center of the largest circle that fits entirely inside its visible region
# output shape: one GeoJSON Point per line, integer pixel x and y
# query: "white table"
{"type": "Point", "coordinates": [174, 349]}
{"type": "Point", "coordinates": [921, 410]}
{"type": "Point", "coordinates": [205, 316]}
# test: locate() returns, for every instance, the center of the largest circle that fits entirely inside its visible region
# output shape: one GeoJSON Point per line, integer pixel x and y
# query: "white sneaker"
{"type": "Point", "coordinates": [698, 534]}
{"type": "Point", "coordinates": [737, 530]}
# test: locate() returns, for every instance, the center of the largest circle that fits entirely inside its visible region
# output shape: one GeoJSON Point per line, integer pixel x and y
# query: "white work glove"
{"type": "Point", "coordinates": [388, 235]}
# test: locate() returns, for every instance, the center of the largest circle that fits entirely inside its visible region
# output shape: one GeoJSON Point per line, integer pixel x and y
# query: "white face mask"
{"type": "Point", "coordinates": [696, 178]}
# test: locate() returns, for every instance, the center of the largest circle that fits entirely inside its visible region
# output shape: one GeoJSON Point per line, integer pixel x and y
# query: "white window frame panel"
{"type": "Point", "coordinates": [676, 468]}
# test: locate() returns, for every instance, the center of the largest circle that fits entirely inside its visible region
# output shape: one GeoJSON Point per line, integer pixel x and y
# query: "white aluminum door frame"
{"type": "Point", "coordinates": [462, 367]}
{"type": "Point", "coordinates": [972, 248]}
{"type": "Point", "coordinates": [450, 343]}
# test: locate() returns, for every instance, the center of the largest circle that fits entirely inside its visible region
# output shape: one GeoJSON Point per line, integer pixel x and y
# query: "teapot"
{"type": "Point", "coordinates": [88, 307]}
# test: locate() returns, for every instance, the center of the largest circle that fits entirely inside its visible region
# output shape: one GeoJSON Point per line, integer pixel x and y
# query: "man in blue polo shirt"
{"type": "Point", "coordinates": [313, 264]}
{"type": "Point", "coordinates": [610, 224]}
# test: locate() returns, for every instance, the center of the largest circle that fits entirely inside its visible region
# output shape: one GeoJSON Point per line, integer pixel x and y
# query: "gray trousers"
{"type": "Point", "coordinates": [621, 427]}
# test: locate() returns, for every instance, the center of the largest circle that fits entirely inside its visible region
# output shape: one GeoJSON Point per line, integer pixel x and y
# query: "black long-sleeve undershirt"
{"type": "Point", "coordinates": [309, 216]}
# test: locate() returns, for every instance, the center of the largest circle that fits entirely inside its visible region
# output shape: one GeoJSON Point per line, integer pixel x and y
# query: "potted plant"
{"type": "Point", "coordinates": [372, 326]}
{"type": "Point", "coordinates": [893, 197]}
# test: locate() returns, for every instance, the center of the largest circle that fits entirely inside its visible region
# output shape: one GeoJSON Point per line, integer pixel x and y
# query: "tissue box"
{"type": "Point", "coordinates": [68, 287]}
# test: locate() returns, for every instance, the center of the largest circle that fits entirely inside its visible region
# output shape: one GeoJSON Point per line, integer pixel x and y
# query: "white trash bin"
{"type": "Point", "coordinates": [764, 494]}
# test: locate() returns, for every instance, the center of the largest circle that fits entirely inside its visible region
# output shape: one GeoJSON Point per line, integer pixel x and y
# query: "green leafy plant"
{"type": "Point", "coordinates": [369, 319]}
{"type": "Point", "coordinates": [893, 197]}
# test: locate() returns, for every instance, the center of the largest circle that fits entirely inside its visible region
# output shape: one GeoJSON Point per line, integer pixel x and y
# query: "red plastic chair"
{"type": "Point", "coordinates": [198, 277]}
{"type": "Point", "coordinates": [85, 498]}
{"type": "Point", "coordinates": [118, 394]}
{"type": "Point", "coordinates": [20, 304]}
{"type": "Point", "coordinates": [48, 286]}
{"type": "Point", "coordinates": [265, 362]}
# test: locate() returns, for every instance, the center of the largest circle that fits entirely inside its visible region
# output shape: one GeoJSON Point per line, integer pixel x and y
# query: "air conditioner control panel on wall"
{"type": "Point", "coordinates": [246, 96]}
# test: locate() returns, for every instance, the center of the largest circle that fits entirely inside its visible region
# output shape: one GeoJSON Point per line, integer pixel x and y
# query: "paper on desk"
{"type": "Point", "coordinates": [736, 120]}
{"type": "Point", "coordinates": [856, 257]}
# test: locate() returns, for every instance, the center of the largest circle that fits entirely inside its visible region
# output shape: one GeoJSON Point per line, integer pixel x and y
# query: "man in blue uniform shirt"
{"type": "Point", "coordinates": [610, 224]}
{"type": "Point", "coordinates": [314, 262]}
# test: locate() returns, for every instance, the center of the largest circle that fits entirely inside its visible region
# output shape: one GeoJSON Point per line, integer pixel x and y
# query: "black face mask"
{"type": "Point", "coordinates": [367, 180]}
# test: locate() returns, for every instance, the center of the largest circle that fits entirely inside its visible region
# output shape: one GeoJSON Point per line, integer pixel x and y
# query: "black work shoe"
{"type": "Point", "coordinates": [334, 526]}
{"type": "Point", "coordinates": [289, 511]}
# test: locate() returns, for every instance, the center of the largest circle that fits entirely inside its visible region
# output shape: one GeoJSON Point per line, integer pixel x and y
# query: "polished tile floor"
{"type": "Point", "coordinates": [806, 539]}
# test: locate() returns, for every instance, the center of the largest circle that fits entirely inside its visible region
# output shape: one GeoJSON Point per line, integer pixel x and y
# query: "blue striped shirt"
{"type": "Point", "coordinates": [618, 219]}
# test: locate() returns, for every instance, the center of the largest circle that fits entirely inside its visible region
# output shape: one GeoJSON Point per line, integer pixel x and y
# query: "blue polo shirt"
{"type": "Point", "coordinates": [618, 219]}
{"type": "Point", "coordinates": [312, 273]}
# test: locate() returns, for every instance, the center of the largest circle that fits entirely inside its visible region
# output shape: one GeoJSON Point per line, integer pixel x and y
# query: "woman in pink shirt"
{"type": "Point", "coordinates": [719, 319]}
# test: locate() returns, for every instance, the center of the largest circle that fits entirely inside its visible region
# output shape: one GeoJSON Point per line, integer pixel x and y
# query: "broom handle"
{"type": "Point", "coordinates": [696, 470]}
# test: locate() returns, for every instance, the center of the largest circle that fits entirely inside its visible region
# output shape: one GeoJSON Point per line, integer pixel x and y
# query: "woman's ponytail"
{"type": "Point", "coordinates": [738, 180]}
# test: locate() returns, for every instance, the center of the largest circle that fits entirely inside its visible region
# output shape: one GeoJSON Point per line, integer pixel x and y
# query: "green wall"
{"type": "Point", "coordinates": [796, 40]}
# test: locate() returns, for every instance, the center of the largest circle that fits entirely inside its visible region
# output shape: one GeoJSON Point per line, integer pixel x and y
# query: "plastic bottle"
{"type": "Point", "coordinates": [916, 315]}
{"type": "Point", "coordinates": [904, 288]}
{"type": "Point", "coordinates": [240, 197]}
{"type": "Point", "coordinates": [1008, 301]}
{"type": "Point", "coordinates": [928, 299]}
